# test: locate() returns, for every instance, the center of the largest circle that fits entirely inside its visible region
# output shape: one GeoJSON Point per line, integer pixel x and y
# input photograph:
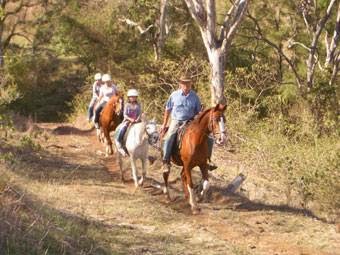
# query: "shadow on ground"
{"type": "Point", "coordinates": [29, 226]}
{"type": "Point", "coordinates": [45, 166]}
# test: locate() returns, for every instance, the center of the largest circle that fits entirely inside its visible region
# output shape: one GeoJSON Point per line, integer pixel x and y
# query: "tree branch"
{"type": "Point", "coordinates": [20, 7]}
{"type": "Point", "coordinates": [197, 11]}
{"type": "Point", "coordinates": [336, 68]}
{"type": "Point", "coordinates": [292, 43]}
{"type": "Point", "coordinates": [306, 22]}
{"type": "Point", "coordinates": [163, 30]}
{"type": "Point", "coordinates": [310, 61]}
{"type": "Point", "coordinates": [211, 22]}
{"type": "Point", "coordinates": [262, 37]}
{"type": "Point", "coordinates": [331, 47]}
{"type": "Point", "coordinates": [231, 23]}
{"type": "Point", "coordinates": [134, 24]}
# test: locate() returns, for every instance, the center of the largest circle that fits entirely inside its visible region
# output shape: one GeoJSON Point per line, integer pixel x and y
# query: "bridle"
{"type": "Point", "coordinates": [151, 135]}
{"type": "Point", "coordinates": [216, 121]}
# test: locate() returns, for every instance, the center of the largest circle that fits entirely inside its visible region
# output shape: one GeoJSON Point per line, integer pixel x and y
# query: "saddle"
{"type": "Point", "coordinates": [180, 133]}
{"type": "Point", "coordinates": [126, 133]}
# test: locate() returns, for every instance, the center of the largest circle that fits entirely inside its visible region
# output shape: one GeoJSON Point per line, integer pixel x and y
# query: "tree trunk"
{"type": "Point", "coordinates": [162, 30]}
{"type": "Point", "coordinates": [2, 61]}
{"type": "Point", "coordinates": [217, 64]}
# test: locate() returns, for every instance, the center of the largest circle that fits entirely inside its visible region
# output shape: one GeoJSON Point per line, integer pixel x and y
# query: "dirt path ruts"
{"type": "Point", "coordinates": [228, 224]}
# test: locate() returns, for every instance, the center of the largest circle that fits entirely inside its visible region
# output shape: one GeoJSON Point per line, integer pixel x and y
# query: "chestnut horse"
{"type": "Point", "coordinates": [110, 117]}
{"type": "Point", "coordinates": [194, 150]}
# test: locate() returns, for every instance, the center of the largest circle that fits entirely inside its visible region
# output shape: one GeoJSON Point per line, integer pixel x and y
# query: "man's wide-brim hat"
{"type": "Point", "coordinates": [185, 79]}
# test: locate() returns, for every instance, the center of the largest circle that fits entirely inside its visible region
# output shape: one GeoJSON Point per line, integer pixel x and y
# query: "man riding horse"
{"type": "Point", "coordinates": [182, 106]}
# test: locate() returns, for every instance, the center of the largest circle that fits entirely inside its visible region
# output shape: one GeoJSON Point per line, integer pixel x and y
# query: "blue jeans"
{"type": "Point", "coordinates": [91, 106]}
{"type": "Point", "coordinates": [121, 132]}
{"type": "Point", "coordinates": [98, 111]}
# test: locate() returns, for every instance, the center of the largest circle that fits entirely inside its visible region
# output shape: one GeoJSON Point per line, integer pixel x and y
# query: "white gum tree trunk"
{"type": "Point", "coordinates": [216, 43]}
{"type": "Point", "coordinates": [217, 64]}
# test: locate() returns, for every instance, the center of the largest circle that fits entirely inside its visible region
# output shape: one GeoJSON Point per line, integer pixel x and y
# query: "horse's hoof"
{"type": "Point", "coordinates": [141, 181]}
{"type": "Point", "coordinates": [196, 210]}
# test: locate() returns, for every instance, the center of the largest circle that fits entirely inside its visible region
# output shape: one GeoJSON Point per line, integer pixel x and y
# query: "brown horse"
{"type": "Point", "coordinates": [110, 117]}
{"type": "Point", "coordinates": [194, 150]}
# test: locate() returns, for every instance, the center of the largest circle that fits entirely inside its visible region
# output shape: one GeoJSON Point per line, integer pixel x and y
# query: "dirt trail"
{"type": "Point", "coordinates": [75, 177]}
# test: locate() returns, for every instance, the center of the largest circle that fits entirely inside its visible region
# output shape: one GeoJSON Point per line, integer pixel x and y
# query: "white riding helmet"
{"type": "Point", "coordinates": [106, 77]}
{"type": "Point", "coordinates": [132, 93]}
{"type": "Point", "coordinates": [98, 76]}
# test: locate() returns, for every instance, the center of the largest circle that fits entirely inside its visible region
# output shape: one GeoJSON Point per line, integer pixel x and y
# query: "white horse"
{"type": "Point", "coordinates": [138, 138]}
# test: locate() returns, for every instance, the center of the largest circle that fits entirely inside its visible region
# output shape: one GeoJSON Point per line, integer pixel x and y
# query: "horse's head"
{"type": "Point", "coordinates": [118, 104]}
{"type": "Point", "coordinates": [217, 123]}
{"type": "Point", "coordinates": [152, 132]}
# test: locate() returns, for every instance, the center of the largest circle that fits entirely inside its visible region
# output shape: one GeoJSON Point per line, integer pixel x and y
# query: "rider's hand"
{"type": "Point", "coordinates": [163, 128]}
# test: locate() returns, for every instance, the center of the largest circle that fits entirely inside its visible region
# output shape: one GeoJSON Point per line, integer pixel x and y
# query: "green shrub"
{"type": "Point", "coordinates": [26, 142]}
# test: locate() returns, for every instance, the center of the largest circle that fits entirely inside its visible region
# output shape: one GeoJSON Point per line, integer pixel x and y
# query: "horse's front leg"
{"type": "Point", "coordinates": [205, 178]}
{"type": "Point", "coordinates": [134, 170]}
{"type": "Point", "coordinates": [141, 181]}
{"type": "Point", "coordinates": [166, 173]}
{"type": "Point", "coordinates": [99, 133]}
{"type": "Point", "coordinates": [108, 142]}
{"type": "Point", "coordinates": [184, 183]}
{"type": "Point", "coordinates": [192, 200]}
{"type": "Point", "coordinates": [120, 163]}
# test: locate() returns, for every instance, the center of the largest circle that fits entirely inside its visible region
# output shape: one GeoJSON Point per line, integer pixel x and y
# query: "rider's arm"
{"type": "Point", "coordinates": [100, 97]}
{"type": "Point", "coordinates": [94, 94]}
{"type": "Point", "coordinates": [198, 105]}
{"type": "Point", "coordinates": [168, 109]}
{"type": "Point", "coordinates": [166, 118]}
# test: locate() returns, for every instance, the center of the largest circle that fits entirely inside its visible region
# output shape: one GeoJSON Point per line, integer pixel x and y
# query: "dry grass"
{"type": "Point", "coordinates": [83, 208]}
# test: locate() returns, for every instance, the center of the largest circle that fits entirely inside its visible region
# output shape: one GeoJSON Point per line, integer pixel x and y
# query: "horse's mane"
{"type": "Point", "coordinates": [201, 115]}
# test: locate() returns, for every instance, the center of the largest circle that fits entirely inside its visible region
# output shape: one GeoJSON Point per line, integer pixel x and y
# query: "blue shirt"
{"type": "Point", "coordinates": [183, 107]}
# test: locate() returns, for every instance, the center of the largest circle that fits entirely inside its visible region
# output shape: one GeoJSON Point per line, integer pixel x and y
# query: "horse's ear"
{"type": "Point", "coordinates": [220, 107]}
{"type": "Point", "coordinates": [202, 107]}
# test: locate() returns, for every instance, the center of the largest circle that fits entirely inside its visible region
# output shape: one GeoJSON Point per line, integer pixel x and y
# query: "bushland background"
{"type": "Point", "coordinates": [280, 130]}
